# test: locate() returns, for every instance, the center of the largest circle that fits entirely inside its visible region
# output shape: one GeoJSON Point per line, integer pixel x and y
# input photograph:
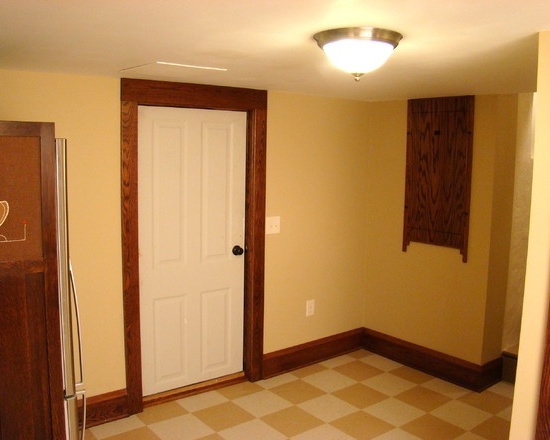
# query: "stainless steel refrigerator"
{"type": "Point", "coordinates": [70, 317]}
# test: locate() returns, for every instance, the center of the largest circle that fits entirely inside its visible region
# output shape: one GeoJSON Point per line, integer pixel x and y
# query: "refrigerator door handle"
{"type": "Point", "coordinates": [83, 394]}
{"type": "Point", "coordinates": [78, 332]}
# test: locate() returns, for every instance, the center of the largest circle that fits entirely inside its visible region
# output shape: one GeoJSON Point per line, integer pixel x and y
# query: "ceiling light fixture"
{"type": "Point", "coordinates": [358, 50]}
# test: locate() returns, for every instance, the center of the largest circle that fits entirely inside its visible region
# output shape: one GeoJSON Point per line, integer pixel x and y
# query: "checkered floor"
{"type": "Point", "coordinates": [356, 396]}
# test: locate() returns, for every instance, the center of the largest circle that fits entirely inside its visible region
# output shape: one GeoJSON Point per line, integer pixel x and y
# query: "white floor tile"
{"type": "Point", "coordinates": [460, 414]}
{"type": "Point", "coordinates": [329, 381]}
{"type": "Point", "coordinates": [262, 403]}
{"type": "Point", "coordinates": [117, 427]}
{"type": "Point", "coordinates": [394, 411]}
{"type": "Point", "coordinates": [328, 408]}
{"type": "Point", "coordinates": [186, 427]}
{"type": "Point", "coordinates": [202, 401]}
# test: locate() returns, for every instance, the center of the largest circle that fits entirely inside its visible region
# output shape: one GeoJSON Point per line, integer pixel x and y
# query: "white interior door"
{"type": "Point", "coordinates": [191, 198]}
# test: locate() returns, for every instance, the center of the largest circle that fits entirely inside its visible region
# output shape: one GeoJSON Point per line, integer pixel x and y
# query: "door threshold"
{"type": "Point", "coordinates": [190, 390]}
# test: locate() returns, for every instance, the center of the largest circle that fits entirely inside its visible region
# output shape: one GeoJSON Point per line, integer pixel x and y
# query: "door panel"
{"type": "Point", "coordinates": [191, 214]}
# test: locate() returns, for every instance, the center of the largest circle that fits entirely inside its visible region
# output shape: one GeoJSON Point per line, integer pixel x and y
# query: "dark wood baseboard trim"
{"type": "Point", "coordinates": [107, 407]}
{"type": "Point", "coordinates": [509, 366]}
{"type": "Point", "coordinates": [191, 390]}
{"type": "Point", "coordinates": [466, 374]}
{"type": "Point", "coordinates": [291, 358]}
{"type": "Point", "coordinates": [114, 405]}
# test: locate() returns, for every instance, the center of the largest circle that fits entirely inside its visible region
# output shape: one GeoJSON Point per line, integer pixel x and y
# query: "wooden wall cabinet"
{"type": "Point", "coordinates": [31, 377]}
{"type": "Point", "coordinates": [438, 174]}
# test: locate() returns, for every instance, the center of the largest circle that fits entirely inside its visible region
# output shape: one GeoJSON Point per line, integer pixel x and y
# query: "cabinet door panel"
{"type": "Point", "coordinates": [438, 175]}
{"type": "Point", "coordinates": [24, 407]}
{"type": "Point", "coordinates": [31, 377]}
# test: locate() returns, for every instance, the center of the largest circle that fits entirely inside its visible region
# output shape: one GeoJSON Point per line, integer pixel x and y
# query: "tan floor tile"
{"type": "Point", "coordinates": [360, 354]}
{"type": "Point", "coordinates": [460, 414]}
{"type": "Point", "coordinates": [381, 362]}
{"type": "Point", "coordinates": [394, 411]}
{"type": "Point", "coordinates": [493, 429]}
{"type": "Point", "coordinates": [117, 427]}
{"type": "Point", "coordinates": [397, 434]}
{"type": "Point", "coordinates": [263, 403]}
{"type": "Point", "coordinates": [337, 361]}
{"type": "Point", "coordinates": [360, 395]}
{"type": "Point", "coordinates": [223, 416]}
{"type": "Point", "coordinates": [329, 380]}
{"type": "Point", "coordinates": [362, 426]}
{"type": "Point", "coordinates": [412, 375]}
{"type": "Point", "coordinates": [358, 370]}
{"type": "Point", "coordinates": [327, 407]}
{"type": "Point", "coordinates": [292, 421]}
{"type": "Point", "coordinates": [448, 389]}
{"type": "Point", "coordinates": [297, 391]}
{"type": "Point", "coordinates": [423, 398]}
{"type": "Point", "coordinates": [309, 370]}
{"type": "Point", "coordinates": [504, 389]}
{"type": "Point", "coordinates": [429, 427]}
{"type": "Point", "coordinates": [487, 401]}
{"type": "Point", "coordinates": [275, 381]}
{"type": "Point", "coordinates": [187, 426]}
{"type": "Point", "coordinates": [255, 429]}
{"type": "Point", "coordinates": [135, 434]}
{"type": "Point", "coordinates": [323, 432]}
{"type": "Point", "coordinates": [389, 384]}
{"type": "Point", "coordinates": [161, 412]}
{"type": "Point", "coordinates": [469, 436]}
{"type": "Point", "coordinates": [201, 401]}
{"type": "Point", "coordinates": [88, 435]}
{"type": "Point", "coordinates": [506, 414]}
{"type": "Point", "coordinates": [239, 390]}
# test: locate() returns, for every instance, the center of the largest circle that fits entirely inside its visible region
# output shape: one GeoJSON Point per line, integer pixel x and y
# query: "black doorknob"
{"type": "Point", "coordinates": [237, 250]}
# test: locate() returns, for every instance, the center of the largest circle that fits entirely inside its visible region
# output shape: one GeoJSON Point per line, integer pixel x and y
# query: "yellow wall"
{"type": "Point", "coordinates": [427, 295]}
{"type": "Point", "coordinates": [316, 162]}
{"type": "Point", "coordinates": [537, 278]}
{"type": "Point", "coordinates": [335, 176]}
{"type": "Point", "coordinates": [86, 111]}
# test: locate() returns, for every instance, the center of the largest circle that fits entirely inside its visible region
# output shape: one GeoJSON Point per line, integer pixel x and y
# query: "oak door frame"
{"type": "Point", "coordinates": [170, 94]}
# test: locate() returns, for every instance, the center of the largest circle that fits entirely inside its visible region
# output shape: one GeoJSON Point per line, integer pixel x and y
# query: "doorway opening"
{"type": "Point", "coordinates": [168, 94]}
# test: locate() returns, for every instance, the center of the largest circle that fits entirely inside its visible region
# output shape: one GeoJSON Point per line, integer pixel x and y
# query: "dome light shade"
{"type": "Point", "coordinates": [358, 50]}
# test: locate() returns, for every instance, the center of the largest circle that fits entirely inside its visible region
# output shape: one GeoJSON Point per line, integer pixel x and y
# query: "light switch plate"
{"type": "Point", "coordinates": [272, 225]}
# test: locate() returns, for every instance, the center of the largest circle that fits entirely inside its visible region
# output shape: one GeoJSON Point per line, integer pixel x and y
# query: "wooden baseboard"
{"type": "Point", "coordinates": [291, 358]}
{"type": "Point", "coordinates": [114, 405]}
{"type": "Point", "coordinates": [509, 366]}
{"type": "Point", "coordinates": [466, 374]}
{"type": "Point", "coordinates": [106, 408]}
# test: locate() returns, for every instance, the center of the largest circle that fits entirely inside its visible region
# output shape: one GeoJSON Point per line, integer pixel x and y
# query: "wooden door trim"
{"type": "Point", "coordinates": [170, 94]}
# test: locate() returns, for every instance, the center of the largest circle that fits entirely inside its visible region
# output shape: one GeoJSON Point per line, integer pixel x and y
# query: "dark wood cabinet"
{"type": "Point", "coordinates": [31, 377]}
{"type": "Point", "coordinates": [438, 174]}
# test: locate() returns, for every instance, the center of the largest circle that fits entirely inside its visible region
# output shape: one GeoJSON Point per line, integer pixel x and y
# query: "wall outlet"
{"type": "Point", "coordinates": [272, 225]}
{"type": "Point", "coordinates": [310, 307]}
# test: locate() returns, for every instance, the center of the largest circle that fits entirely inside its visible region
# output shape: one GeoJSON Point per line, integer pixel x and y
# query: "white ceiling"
{"type": "Point", "coordinates": [450, 47]}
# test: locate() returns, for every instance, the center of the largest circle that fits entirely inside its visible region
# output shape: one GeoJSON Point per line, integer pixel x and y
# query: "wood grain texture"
{"type": "Point", "coordinates": [106, 408]}
{"type": "Point", "coordinates": [291, 358]}
{"type": "Point", "coordinates": [30, 348]}
{"type": "Point", "coordinates": [254, 103]}
{"type": "Point", "coordinates": [438, 175]}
